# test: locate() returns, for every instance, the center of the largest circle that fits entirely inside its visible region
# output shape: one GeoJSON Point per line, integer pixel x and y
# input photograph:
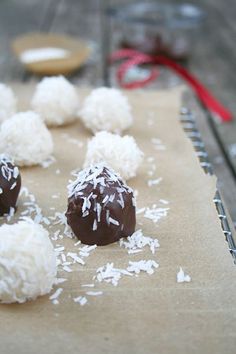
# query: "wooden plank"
{"type": "Point", "coordinates": [82, 19]}
{"type": "Point", "coordinates": [214, 62]}
{"type": "Point", "coordinates": [18, 17]}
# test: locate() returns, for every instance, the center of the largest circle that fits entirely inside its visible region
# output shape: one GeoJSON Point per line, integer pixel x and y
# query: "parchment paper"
{"type": "Point", "coordinates": [145, 314]}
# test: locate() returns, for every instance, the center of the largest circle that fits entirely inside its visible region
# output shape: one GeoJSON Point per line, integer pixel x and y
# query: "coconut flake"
{"type": "Point", "coordinates": [60, 281]}
{"type": "Point", "coordinates": [95, 225]}
{"type": "Point", "coordinates": [113, 221]}
{"type": "Point", "coordinates": [55, 295]}
{"type": "Point", "coordinates": [155, 214]}
{"type": "Point", "coordinates": [75, 258]}
{"type": "Point", "coordinates": [25, 137]}
{"type": "Point", "coordinates": [123, 155]}
{"type": "Point", "coordinates": [182, 277]}
{"type": "Point", "coordinates": [109, 274]}
{"type": "Point", "coordinates": [94, 293]}
{"type": "Point", "coordinates": [67, 269]}
{"type": "Point", "coordinates": [88, 285]}
{"type": "Point", "coordinates": [154, 182]}
{"type": "Point", "coordinates": [85, 250]}
{"type": "Point", "coordinates": [137, 241]}
{"type": "Point", "coordinates": [163, 201]}
{"type": "Point", "coordinates": [145, 266]}
{"type": "Point", "coordinates": [81, 300]}
{"type": "Point", "coordinates": [106, 109]}
{"type": "Point", "coordinates": [48, 162]}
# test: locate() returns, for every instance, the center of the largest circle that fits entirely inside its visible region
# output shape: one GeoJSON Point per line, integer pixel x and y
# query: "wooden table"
{"type": "Point", "coordinates": [212, 61]}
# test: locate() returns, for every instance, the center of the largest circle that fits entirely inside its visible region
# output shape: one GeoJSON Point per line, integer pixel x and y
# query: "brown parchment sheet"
{"type": "Point", "coordinates": [145, 314]}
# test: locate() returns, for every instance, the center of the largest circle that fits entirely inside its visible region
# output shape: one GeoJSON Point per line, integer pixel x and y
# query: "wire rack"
{"type": "Point", "coordinates": [188, 122]}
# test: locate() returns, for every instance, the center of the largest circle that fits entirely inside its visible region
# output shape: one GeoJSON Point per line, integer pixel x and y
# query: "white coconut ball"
{"type": "Point", "coordinates": [56, 100]}
{"type": "Point", "coordinates": [8, 102]}
{"type": "Point", "coordinates": [106, 109]}
{"type": "Point", "coordinates": [28, 265]}
{"type": "Point", "coordinates": [26, 139]}
{"type": "Point", "coordinates": [120, 153]}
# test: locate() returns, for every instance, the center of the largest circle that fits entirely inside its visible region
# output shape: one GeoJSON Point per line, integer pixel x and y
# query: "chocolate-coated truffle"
{"type": "Point", "coordinates": [10, 183]}
{"type": "Point", "coordinates": [101, 207]}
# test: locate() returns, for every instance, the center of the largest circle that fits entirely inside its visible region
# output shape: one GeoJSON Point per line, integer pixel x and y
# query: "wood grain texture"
{"type": "Point", "coordinates": [18, 17]}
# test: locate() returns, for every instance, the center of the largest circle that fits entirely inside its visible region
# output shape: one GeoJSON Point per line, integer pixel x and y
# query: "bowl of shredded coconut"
{"type": "Point", "coordinates": [50, 54]}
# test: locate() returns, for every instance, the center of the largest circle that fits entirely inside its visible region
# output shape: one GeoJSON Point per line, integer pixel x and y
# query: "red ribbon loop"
{"type": "Point", "coordinates": [134, 58]}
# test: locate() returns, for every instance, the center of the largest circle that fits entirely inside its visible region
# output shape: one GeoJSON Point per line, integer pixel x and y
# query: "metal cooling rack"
{"type": "Point", "coordinates": [188, 121]}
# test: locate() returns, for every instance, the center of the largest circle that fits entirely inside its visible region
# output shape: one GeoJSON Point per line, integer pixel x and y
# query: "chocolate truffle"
{"type": "Point", "coordinates": [101, 207]}
{"type": "Point", "coordinates": [10, 183]}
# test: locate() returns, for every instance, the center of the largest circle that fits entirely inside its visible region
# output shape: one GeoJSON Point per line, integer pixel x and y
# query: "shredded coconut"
{"type": "Point", "coordinates": [60, 281]}
{"type": "Point", "coordinates": [41, 54]}
{"type": "Point", "coordinates": [106, 109]}
{"type": "Point", "coordinates": [8, 170]}
{"type": "Point", "coordinates": [27, 263]}
{"type": "Point", "coordinates": [145, 266]}
{"type": "Point", "coordinates": [182, 277]}
{"type": "Point", "coordinates": [60, 219]}
{"type": "Point", "coordinates": [163, 201]}
{"type": "Point", "coordinates": [109, 274]}
{"type": "Point", "coordinates": [138, 241]}
{"type": "Point", "coordinates": [94, 293]}
{"type": "Point", "coordinates": [48, 162]}
{"type": "Point", "coordinates": [56, 100]}
{"type": "Point", "coordinates": [112, 275]}
{"type": "Point", "coordinates": [31, 208]}
{"type": "Point", "coordinates": [56, 295]}
{"type": "Point", "coordinates": [81, 300]}
{"type": "Point", "coordinates": [88, 285]}
{"type": "Point", "coordinates": [85, 250]}
{"type": "Point", "coordinates": [154, 213]}
{"type": "Point", "coordinates": [26, 139]}
{"type": "Point", "coordinates": [123, 154]}
{"type": "Point", "coordinates": [154, 182]}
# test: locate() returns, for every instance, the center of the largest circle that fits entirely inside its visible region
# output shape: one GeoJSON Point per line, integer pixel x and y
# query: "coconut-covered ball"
{"type": "Point", "coordinates": [121, 153]}
{"type": "Point", "coordinates": [106, 109]}
{"type": "Point", "coordinates": [10, 183]}
{"type": "Point", "coordinates": [56, 100]}
{"type": "Point", "coordinates": [101, 207]}
{"type": "Point", "coordinates": [28, 266]}
{"type": "Point", "coordinates": [8, 102]}
{"type": "Point", "coordinates": [26, 139]}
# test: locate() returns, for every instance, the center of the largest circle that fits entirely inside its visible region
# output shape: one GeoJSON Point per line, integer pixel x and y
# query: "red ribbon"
{"type": "Point", "coordinates": [134, 58]}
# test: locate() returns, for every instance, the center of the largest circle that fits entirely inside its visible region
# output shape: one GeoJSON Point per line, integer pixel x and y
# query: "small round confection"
{"type": "Point", "coordinates": [10, 183]}
{"type": "Point", "coordinates": [7, 102]}
{"type": "Point", "coordinates": [56, 100]}
{"type": "Point", "coordinates": [121, 153]}
{"type": "Point", "coordinates": [106, 109]}
{"type": "Point", "coordinates": [26, 139]}
{"type": "Point", "coordinates": [28, 264]}
{"type": "Point", "coordinates": [101, 207]}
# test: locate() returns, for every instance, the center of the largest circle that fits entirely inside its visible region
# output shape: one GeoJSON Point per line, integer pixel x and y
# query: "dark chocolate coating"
{"type": "Point", "coordinates": [10, 184]}
{"type": "Point", "coordinates": [122, 211]}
